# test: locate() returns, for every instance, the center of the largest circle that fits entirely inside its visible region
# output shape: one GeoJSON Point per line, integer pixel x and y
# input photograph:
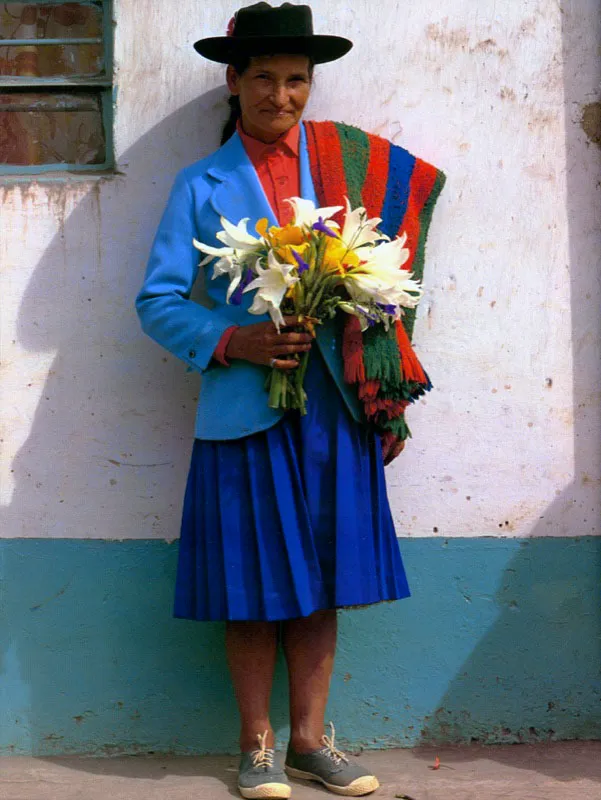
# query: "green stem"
{"type": "Point", "coordinates": [299, 380]}
{"type": "Point", "coordinates": [275, 388]}
{"type": "Point", "coordinates": [316, 299]}
{"type": "Point", "coordinates": [320, 251]}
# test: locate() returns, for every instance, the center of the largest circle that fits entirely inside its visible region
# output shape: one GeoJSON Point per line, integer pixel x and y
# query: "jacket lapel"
{"type": "Point", "coordinates": [238, 192]}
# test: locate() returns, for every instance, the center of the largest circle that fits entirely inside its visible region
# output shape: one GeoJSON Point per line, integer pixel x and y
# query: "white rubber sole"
{"type": "Point", "coordinates": [359, 787]}
{"type": "Point", "coordinates": [271, 791]}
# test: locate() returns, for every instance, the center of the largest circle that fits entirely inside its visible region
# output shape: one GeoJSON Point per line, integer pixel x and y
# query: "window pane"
{"type": "Point", "coordinates": [56, 21]}
{"type": "Point", "coordinates": [73, 60]}
{"type": "Point", "coordinates": [38, 128]}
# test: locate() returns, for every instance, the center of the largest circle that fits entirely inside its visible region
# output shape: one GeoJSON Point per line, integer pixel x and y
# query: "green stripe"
{"type": "Point", "coordinates": [425, 217]}
{"type": "Point", "coordinates": [354, 144]}
{"type": "Point", "coordinates": [381, 358]}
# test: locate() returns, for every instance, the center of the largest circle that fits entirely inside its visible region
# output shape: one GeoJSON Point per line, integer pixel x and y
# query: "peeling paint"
{"type": "Point", "coordinates": [591, 122]}
{"type": "Point", "coordinates": [452, 38]}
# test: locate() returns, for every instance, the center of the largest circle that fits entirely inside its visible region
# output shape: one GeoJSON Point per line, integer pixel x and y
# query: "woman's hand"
{"type": "Point", "coordinates": [262, 344]}
{"type": "Point", "coordinates": [391, 447]}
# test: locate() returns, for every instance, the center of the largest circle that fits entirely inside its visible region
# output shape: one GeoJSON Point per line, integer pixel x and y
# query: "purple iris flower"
{"type": "Point", "coordinates": [387, 309]}
{"type": "Point", "coordinates": [302, 264]}
{"type": "Point", "coordinates": [371, 320]}
{"type": "Point", "coordinates": [236, 298]}
{"type": "Point", "coordinates": [321, 226]}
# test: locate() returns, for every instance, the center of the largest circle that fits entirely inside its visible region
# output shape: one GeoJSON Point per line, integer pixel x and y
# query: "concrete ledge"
{"type": "Point", "coordinates": [521, 772]}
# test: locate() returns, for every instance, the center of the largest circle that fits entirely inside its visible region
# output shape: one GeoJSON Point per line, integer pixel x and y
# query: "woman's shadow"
{"type": "Point", "coordinates": [96, 455]}
{"type": "Point", "coordinates": [99, 465]}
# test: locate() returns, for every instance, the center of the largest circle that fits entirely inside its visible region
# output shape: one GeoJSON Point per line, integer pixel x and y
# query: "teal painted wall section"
{"type": "Point", "coordinates": [501, 642]}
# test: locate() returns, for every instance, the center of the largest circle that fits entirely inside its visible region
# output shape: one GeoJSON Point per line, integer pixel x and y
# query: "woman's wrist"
{"type": "Point", "coordinates": [221, 351]}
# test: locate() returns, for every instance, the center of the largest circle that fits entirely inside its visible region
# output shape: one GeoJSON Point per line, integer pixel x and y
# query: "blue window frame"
{"type": "Point", "coordinates": [56, 76]}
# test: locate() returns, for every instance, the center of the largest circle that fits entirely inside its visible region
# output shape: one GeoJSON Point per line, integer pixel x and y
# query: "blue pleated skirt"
{"type": "Point", "coordinates": [290, 520]}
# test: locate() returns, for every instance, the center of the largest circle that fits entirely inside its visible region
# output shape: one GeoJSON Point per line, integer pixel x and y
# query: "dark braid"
{"type": "Point", "coordinates": [241, 65]}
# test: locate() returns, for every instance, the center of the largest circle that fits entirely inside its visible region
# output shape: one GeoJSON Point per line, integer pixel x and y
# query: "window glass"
{"type": "Point", "coordinates": [37, 128]}
{"type": "Point", "coordinates": [55, 86]}
{"type": "Point", "coordinates": [67, 21]}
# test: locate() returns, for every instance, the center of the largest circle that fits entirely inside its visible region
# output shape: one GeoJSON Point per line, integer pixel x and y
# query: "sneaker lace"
{"type": "Point", "coordinates": [330, 750]}
{"type": "Point", "coordinates": [263, 757]}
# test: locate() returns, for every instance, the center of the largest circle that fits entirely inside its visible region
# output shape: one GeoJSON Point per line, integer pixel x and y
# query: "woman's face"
{"type": "Point", "coordinates": [273, 92]}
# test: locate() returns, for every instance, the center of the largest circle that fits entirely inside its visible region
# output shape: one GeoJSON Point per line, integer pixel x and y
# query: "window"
{"type": "Point", "coordinates": [55, 86]}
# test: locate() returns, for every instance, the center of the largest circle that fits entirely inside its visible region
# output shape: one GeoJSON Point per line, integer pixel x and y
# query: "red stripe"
{"type": "Point", "coordinates": [374, 186]}
{"type": "Point", "coordinates": [420, 187]}
{"type": "Point", "coordinates": [411, 369]}
{"type": "Point", "coordinates": [352, 351]}
{"type": "Point", "coordinates": [331, 165]}
{"type": "Point", "coordinates": [422, 182]}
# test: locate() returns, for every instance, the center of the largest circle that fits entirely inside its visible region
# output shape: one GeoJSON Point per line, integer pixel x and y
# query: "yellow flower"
{"type": "Point", "coordinates": [262, 226]}
{"type": "Point", "coordinates": [284, 240]}
{"type": "Point", "coordinates": [337, 257]}
{"type": "Point", "coordinates": [288, 234]}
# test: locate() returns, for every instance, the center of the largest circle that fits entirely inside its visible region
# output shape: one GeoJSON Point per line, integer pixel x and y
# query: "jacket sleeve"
{"type": "Point", "coordinates": [185, 328]}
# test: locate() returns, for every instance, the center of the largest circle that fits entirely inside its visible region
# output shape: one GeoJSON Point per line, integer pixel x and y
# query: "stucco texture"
{"type": "Point", "coordinates": [97, 419]}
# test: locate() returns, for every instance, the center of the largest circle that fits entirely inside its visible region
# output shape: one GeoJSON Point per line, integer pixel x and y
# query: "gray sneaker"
{"type": "Point", "coordinates": [259, 776]}
{"type": "Point", "coordinates": [331, 767]}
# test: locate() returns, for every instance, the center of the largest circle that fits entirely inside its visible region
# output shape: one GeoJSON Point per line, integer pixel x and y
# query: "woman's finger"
{"type": "Point", "coordinates": [284, 363]}
{"type": "Point", "coordinates": [289, 349]}
{"type": "Point", "coordinates": [290, 338]}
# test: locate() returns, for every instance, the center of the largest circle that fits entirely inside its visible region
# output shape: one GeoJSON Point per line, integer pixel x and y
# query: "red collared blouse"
{"type": "Point", "coordinates": [277, 165]}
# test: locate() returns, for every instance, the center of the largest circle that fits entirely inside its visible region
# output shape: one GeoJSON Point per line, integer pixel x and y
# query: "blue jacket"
{"type": "Point", "coordinates": [233, 400]}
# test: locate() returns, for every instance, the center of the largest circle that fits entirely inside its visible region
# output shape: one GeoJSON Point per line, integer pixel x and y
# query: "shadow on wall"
{"type": "Point", "coordinates": [547, 635]}
{"type": "Point", "coordinates": [77, 475]}
{"type": "Point", "coordinates": [72, 669]}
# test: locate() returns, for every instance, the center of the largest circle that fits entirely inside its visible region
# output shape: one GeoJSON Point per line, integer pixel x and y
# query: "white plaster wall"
{"type": "Point", "coordinates": [97, 420]}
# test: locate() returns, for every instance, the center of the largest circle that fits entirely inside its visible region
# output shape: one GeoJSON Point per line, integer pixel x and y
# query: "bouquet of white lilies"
{"type": "Point", "coordinates": [310, 269]}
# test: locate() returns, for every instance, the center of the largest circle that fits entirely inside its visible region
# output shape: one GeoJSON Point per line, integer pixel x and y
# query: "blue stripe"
{"type": "Point", "coordinates": [400, 169]}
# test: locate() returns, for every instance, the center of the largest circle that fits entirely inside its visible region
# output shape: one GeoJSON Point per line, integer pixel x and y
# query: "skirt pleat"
{"type": "Point", "coordinates": [290, 520]}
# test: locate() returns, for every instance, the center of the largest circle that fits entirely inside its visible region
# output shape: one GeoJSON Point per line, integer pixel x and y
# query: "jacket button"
{"type": "Point", "coordinates": [192, 353]}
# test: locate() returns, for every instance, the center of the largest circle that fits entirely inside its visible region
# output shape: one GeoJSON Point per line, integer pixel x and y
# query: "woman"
{"type": "Point", "coordinates": [285, 517]}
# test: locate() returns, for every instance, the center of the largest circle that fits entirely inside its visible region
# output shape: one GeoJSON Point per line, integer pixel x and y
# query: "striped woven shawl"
{"type": "Point", "coordinates": [401, 189]}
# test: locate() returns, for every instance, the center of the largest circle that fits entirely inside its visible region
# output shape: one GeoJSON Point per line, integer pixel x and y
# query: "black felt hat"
{"type": "Point", "coordinates": [262, 29]}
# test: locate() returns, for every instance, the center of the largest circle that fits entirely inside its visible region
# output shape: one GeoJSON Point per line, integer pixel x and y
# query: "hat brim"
{"type": "Point", "coordinates": [225, 49]}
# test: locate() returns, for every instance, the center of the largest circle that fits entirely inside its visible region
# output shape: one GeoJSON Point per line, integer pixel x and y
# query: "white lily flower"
{"type": "Point", "coordinates": [387, 287]}
{"type": "Point", "coordinates": [241, 248]}
{"type": "Point", "coordinates": [380, 280]}
{"type": "Point", "coordinates": [238, 243]}
{"type": "Point", "coordinates": [212, 252]}
{"type": "Point", "coordinates": [236, 236]}
{"type": "Point", "coordinates": [227, 264]}
{"type": "Point", "coordinates": [389, 255]}
{"type": "Point", "coordinates": [358, 230]}
{"type": "Point", "coordinates": [306, 214]}
{"type": "Point", "coordinates": [271, 286]}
